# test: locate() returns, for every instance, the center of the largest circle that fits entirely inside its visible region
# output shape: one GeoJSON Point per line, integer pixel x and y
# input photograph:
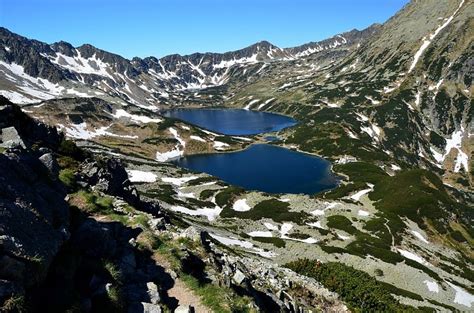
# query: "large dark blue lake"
{"type": "Point", "coordinates": [266, 168]}
{"type": "Point", "coordinates": [233, 121]}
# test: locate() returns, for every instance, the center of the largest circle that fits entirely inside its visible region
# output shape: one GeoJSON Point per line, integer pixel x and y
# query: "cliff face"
{"type": "Point", "coordinates": [34, 217]}
{"type": "Point", "coordinates": [53, 253]}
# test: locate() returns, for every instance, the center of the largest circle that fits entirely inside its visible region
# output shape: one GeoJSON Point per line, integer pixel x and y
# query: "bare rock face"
{"type": "Point", "coordinates": [34, 220]}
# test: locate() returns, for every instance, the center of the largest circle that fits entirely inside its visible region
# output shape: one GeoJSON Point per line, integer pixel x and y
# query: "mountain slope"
{"type": "Point", "coordinates": [60, 69]}
{"type": "Point", "coordinates": [391, 108]}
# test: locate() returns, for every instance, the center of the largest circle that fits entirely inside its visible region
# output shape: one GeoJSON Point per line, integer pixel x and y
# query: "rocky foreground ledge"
{"type": "Point", "coordinates": [75, 236]}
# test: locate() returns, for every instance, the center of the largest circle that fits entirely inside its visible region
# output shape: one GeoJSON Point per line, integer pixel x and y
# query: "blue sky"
{"type": "Point", "coordinates": [161, 27]}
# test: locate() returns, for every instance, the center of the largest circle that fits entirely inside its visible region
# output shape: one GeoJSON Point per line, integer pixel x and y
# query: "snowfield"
{"type": "Point", "coordinates": [197, 138]}
{"type": "Point", "coordinates": [136, 118]}
{"type": "Point", "coordinates": [136, 176]}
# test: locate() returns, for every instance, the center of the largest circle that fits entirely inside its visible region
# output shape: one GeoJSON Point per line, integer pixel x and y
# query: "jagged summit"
{"type": "Point", "coordinates": [95, 72]}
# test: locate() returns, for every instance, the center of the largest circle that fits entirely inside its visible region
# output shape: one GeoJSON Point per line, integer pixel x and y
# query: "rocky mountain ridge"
{"type": "Point", "coordinates": [60, 69]}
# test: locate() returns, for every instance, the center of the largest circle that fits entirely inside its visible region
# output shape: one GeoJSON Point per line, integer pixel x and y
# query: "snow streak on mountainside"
{"type": "Point", "coordinates": [60, 69]}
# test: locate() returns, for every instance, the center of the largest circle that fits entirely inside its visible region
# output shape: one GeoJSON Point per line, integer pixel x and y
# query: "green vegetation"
{"type": "Point", "coordinates": [217, 298]}
{"type": "Point", "coordinates": [224, 197]}
{"type": "Point", "coordinates": [342, 223]}
{"type": "Point", "coordinates": [332, 249]}
{"type": "Point", "coordinates": [272, 208]}
{"type": "Point", "coordinates": [69, 148]}
{"type": "Point", "coordinates": [201, 180]}
{"type": "Point", "coordinates": [361, 292]}
{"type": "Point", "coordinates": [166, 123]}
{"type": "Point", "coordinates": [90, 202]}
{"type": "Point", "coordinates": [457, 235]}
{"type": "Point", "coordinates": [277, 242]}
{"type": "Point", "coordinates": [206, 194]}
{"type": "Point", "coordinates": [113, 271]}
{"type": "Point", "coordinates": [299, 236]}
{"type": "Point", "coordinates": [142, 220]}
{"type": "Point", "coordinates": [165, 193]}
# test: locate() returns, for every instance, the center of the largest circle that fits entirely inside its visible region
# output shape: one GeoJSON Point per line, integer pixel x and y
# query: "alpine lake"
{"type": "Point", "coordinates": [263, 167]}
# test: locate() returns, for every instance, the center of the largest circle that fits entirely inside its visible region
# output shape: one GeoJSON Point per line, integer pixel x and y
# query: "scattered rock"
{"type": "Point", "coordinates": [157, 223]}
{"type": "Point", "coordinates": [153, 293]}
{"type": "Point", "coordinates": [191, 233]}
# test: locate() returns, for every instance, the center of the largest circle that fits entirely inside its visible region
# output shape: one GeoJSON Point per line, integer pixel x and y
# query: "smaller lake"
{"type": "Point", "coordinates": [266, 168]}
{"type": "Point", "coordinates": [233, 121]}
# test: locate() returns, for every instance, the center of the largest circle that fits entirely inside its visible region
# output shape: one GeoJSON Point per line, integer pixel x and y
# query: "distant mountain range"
{"type": "Point", "coordinates": [86, 70]}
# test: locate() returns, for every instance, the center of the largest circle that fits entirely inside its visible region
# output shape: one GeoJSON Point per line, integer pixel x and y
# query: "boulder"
{"type": "Point", "coordinates": [50, 163]}
{"type": "Point", "coordinates": [184, 309]}
{"type": "Point", "coordinates": [238, 277]}
{"type": "Point", "coordinates": [11, 138]}
{"type": "Point", "coordinates": [34, 217]}
{"type": "Point", "coordinates": [157, 223]}
{"type": "Point", "coordinates": [153, 292]}
{"type": "Point", "coordinates": [151, 308]}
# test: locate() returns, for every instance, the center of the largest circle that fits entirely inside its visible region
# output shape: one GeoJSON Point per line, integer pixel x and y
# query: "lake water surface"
{"type": "Point", "coordinates": [233, 121]}
{"type": "Point", "coordinates": [266, 168]}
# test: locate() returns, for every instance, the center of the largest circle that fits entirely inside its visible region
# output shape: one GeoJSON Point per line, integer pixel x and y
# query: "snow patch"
{"type": "Point", "coordinates": [136, 176]}
{"type": "Point", "coordinates": [266, 234]}
{"type": "Point", "coordinates": [218, 145]}
{"type": "Point", "coordinates": [427, 41]}
{"type": "Point", "coordinates": [432, 286]}
{"type": "Point", "coordinates": [241, 206]}
{"type": "Point", "coordinates": [363, 213]}
{"type": "Point", "coordinates": [358, 195]}
{"type": "Point", "coordinates": [136, 118]}
{"type": "Point", "coordinates": [178, 181]}
{"type": "Point", "coordinates": [197, 138]}
{"type": "Point", "coordinates": [419, 236]}
{"type": "Point", "coordinates": [412, 256]}
{"type": "Point", "coordinates": [462, 296]}
{"type": "Point", "coordinates": [243, 244]}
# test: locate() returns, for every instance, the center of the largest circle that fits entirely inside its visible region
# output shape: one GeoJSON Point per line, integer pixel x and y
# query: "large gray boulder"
{"type": "Point", "coordinates": [11, 139]}
{"type": "Point", "coordinates": [50, 163]}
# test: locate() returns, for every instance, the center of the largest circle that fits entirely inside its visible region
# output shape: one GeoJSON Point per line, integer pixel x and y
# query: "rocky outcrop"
{"type": "Point", "coordinates": [272, 288]}
{"type": "Point", "coordinates": [34, 220]}
{"type": "Point", "coordinates": [40, 234]}
{"type": "Point", "coordinates": [16, 125]}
